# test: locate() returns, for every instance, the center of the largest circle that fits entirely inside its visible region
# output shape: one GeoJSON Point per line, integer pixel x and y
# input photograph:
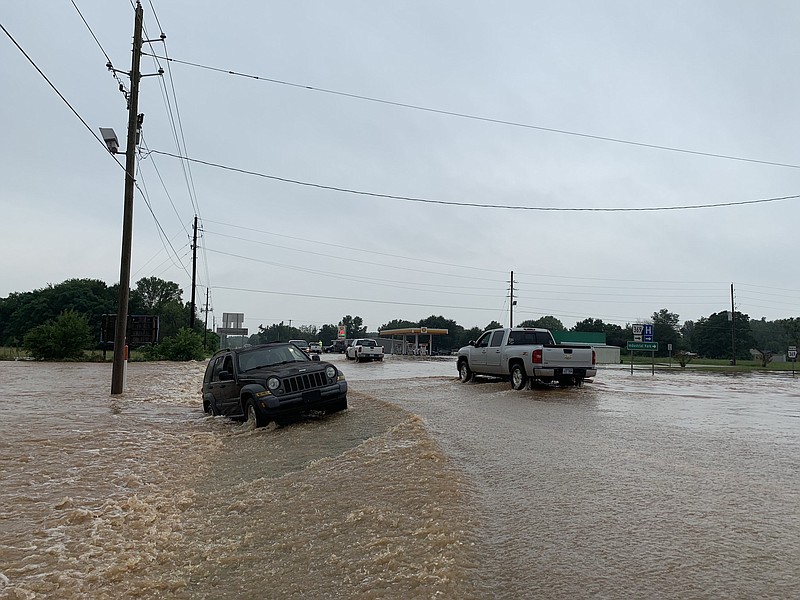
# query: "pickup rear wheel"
{"type": "Point", "coordinates": [519, 379]}
{"type": "Point", "coordinates": [465, 374]}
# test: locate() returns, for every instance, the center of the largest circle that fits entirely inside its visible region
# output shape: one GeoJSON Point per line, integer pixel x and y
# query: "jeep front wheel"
{"type": "Point", "coordinates": [254, 417]}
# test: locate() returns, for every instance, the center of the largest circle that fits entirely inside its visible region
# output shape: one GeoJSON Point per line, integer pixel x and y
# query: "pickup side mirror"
{"type": "Point", "coordinates": [472, 342]}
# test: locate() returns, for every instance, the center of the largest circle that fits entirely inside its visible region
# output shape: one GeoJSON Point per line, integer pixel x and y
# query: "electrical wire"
{"type": "Point", "coordinates": [60, 95]}
{"type": "Point", "coordinates": [485, 119]}
{"type": "Point", "coordinates": [474, 205]}
{"type": "Point", "coordinates": [343, 276]}
{"type": "Point", "coordinates": [122, 87]}
{"type": "Point", "coordinates": [364, 262]}
{"type": "Point", "coordinates": [360, 300]}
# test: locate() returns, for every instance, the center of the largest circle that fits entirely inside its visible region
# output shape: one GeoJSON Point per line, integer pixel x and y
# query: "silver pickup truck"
{"type": "Point", "coordinates": [525, 354]}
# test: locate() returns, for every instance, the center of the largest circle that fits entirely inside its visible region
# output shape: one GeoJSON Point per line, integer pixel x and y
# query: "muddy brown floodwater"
{"type": "Point", "coordinates": [678, 485]}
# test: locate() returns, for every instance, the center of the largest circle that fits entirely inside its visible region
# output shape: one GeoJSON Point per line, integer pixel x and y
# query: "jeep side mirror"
{"type": "Point", "coordinates": [315, 357]}
{"type": "Point", "coordinates": [225, 376]}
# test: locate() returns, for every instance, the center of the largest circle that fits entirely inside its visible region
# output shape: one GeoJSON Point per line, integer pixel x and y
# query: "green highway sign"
{"type": "Point", "coordinates": [652, 346]}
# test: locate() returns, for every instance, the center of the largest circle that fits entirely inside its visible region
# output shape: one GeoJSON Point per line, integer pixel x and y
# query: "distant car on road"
{"type": "Point", "coordinates": [315, 347]}
{"type": "Point", "coordinates": [271, 382]}
{"type": "Point", "coordinates": [337, 346]}
{"type": "Point", "coordinates": [302, 344]}
{"type": "Point", "coordinates": [364, 349]}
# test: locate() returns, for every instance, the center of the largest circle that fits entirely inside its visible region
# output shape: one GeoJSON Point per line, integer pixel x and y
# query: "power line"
{"type": "Point", "coordinates": [470, 204]}
{"type": "Point", "coordinates": [486, 119]}
{"type": "Point", "coordinates": [370, 252]}
{"type": "Point", "coordinates": [60, 95]}
{"type": "Point", "coordinates": [363, 262]}
{"type": "Point", "coordinates": [356, 278]}
{"type": "Point", "coordinates": [99, 45]}
{"type": "Point", "coordinates": [362, 300]}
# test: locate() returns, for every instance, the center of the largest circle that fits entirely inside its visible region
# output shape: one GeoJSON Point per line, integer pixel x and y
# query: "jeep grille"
{"type": "Point", "coordinates": [307, 381]}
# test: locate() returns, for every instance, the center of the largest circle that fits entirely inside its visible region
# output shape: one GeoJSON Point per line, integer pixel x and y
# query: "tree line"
{"type": "Point", "coordinates": [63, 320]}
{"type": "Point", "coordinates": [70, 313]}
{"type": "Point", "coordinates": [717, 336]}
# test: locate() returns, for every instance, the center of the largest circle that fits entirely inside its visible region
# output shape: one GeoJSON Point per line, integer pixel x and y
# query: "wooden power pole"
{"type": "Point", "coordinates": [194, 273]}
{"type": "Point", "coordinates": [118, 368]}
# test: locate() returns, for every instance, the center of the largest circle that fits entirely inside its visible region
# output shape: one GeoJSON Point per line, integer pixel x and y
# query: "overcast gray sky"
{"type": "Point", "coordinates": [710, 77]}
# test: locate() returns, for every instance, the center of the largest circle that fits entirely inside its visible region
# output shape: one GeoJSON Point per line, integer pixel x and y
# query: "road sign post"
{"type": "Point", "coordinates": [651, 347]}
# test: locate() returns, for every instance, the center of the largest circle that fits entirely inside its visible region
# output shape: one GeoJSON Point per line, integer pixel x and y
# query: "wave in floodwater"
{"type": "Point", "coordinates": [143, 496]}
{"type": "Point", "coordinates": [677, 485]}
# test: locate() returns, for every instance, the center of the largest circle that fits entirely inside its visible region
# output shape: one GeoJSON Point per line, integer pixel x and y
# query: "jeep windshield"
{"type": "Point", "coordinates": [260, 358]}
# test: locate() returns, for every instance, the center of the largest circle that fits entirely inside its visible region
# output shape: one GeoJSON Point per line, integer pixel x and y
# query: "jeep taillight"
{"type": "Point", "coordinates": [536, 357]}
{"type": "Point", "coordinates": [594, 358]}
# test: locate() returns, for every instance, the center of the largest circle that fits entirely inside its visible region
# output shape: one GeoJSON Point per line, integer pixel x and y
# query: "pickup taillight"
{"type": "Point", "coordinates": [594, 358]}
{"type": "Point", "coordinates": [536, 357]}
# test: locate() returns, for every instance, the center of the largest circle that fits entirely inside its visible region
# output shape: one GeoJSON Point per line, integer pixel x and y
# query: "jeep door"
{"type": "Point", "coordinates": [223, 387]}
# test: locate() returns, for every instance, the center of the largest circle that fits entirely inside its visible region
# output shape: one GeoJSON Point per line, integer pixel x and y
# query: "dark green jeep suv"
{"type": "Point", "coordinates": [271, 382]}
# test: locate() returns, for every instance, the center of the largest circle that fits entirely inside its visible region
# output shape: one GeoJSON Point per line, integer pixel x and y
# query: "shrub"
{"type": "Point", "coordinates": [184, 345]}
{"type": "Point", "coordinates": [64, 338]}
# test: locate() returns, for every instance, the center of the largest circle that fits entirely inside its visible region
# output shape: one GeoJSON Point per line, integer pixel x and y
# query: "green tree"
{"type": "Point", "coordinates": [155, 292]}
{"type": "Point", "coordinates": [443, 342]}
{"type": "Point", "coordinates": [397, 324]}
{"type": "Point", "coordinates": [548, 322]}
{"type": "Point", "coordinates": [589, 325]}
{"type": "Point", "coordinates": [492, 325]}
{"type": "Point", "coordinates": [328, 333]}
{"type": "Point", "coordinates": [665, 331]}
{"type": "Point", "coordinates": [688, 336]}
{"type": "Point", "coordinates": [615, 335]}
{"type": "Point", "coordinates": [172, 317]}
{"type": "Point", "coordinates": [470, 335]}
{"type": "Point", "coordinates": [273, 333]}
{"type": "Point", "coordinates": [21, 312]}
{"type": "Point", "coordinates": [792, 328]}
{"type": "Point", "coordinates": [770, 335]}
{"type": "Point", "coordinates": [354, 326]}
{"type": "Point", "coordinates": [308, 332]}
{"type": "Point", "coordinates": [713, 336]}
{"type": "Point", "coordinates": [66, 337]}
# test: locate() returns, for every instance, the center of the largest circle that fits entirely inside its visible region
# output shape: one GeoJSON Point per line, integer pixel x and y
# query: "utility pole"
{"type": "Point", "coordinates": [733, 329]}
{"type": "Point", "coordinates": [118, 367]}
{"type": "Point", "coordinates": [194, 273]}
{"type": "Point", "coordinates": [205, 324]}
{"type": "Point", "coordinates": [511, 303]}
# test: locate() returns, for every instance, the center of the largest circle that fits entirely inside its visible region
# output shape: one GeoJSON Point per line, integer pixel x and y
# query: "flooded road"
{"type": "Point", "coordinates": [678, 485]}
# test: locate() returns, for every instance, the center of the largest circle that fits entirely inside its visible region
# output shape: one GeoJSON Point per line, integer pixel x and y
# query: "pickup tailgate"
{"type": "Point", "coordinates": [565, 356]}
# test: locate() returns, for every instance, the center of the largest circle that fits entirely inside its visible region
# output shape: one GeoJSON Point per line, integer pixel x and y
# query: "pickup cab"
{"type": "Point", "coordinates": [524, 355]}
